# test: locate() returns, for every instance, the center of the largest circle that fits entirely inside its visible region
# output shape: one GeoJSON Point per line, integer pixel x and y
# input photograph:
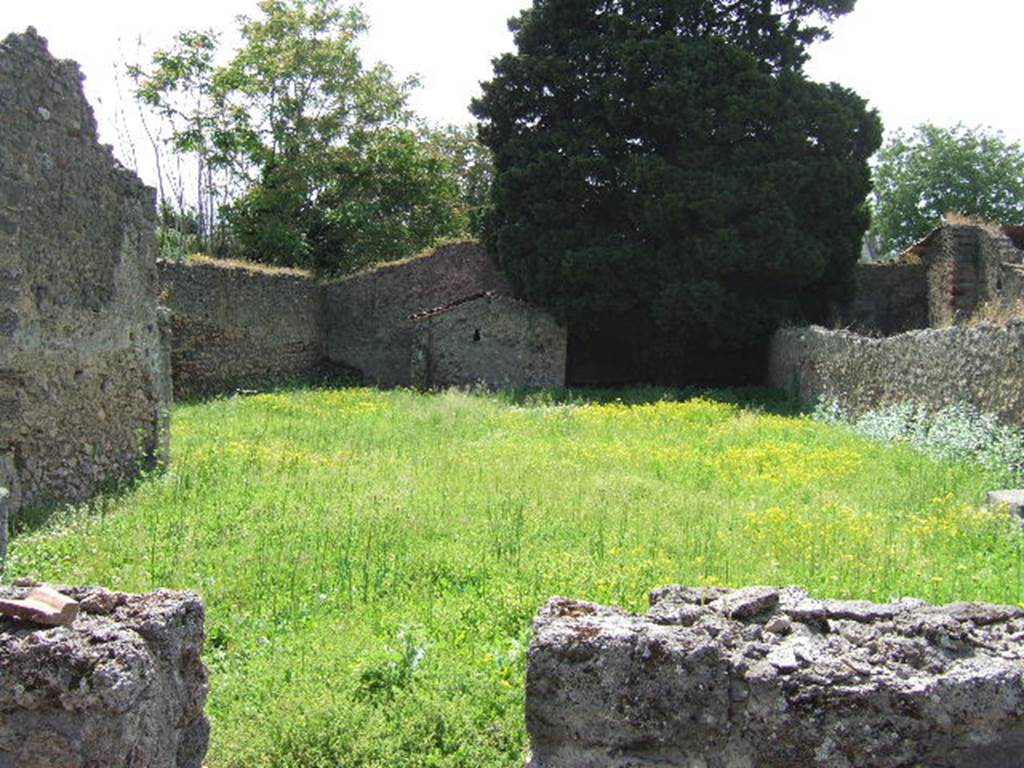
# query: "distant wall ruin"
{"type": "Point", "coordinates": [84, 378]}
{"type": "Point", "coordinates": [982, 365]}
{"type": "Point", "coordinates": [940, 281]}
{"type": "Point", "coordinates": [240, 327]}
{"type": "Point", "coordinates": [774, 678]}
{"type": "Point", "coordinates": [369, 316]}
{"type": "Point", "coordinates": [497, 339]}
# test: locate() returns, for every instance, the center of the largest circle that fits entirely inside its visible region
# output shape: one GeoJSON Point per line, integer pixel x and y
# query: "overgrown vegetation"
{"type": "Point", "coordinates": [305, 156]}
{"type": "Point", "coordinates": [932, 171]}
{"type": "Point", "coordinates": [668, 178]}
{"type": "Point", "coordinates": [372, 560]}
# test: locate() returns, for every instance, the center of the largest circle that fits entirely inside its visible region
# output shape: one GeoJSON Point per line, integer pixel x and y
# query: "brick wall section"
{"type": "Point", "coordinates": [494, 340]}
{"type": "Point", "coordinates": [368, 325]}
{"type": "Point", "coordinates": [237, 327]}
{"type": "Point", "coordinates": [84, 382]}
{"type": "Point", "coordinates": [982, 365]}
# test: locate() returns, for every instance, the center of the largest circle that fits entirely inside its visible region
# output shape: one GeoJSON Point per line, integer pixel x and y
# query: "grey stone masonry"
{"type": "Point", "coordinates": [773, 678]}
{"type": "Point", "coordinates": [1010, 501]}
{"type": "Point", "coordinates": [123, 687]}
{"type": "Point", "coordinates": [5, 513]}
{"type": "Point", "coordinates": [84, 381]}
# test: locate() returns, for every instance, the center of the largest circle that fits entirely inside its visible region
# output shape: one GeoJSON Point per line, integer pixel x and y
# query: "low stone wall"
{"type": "Point", "coordinates": [84, 381]}
{"type": "Point", "coordinates": [982, 365]}
{"type": "Point", "coordinates": [773, 678]}
{"type": "Point", "coordinates": [238, 327]}
{"type": "Point", "coordinates": [123, 686]}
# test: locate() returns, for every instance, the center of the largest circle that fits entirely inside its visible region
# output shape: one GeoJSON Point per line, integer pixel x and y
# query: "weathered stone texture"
{"type": "Point", "coordinates": [368, 315]}
{"type": "Point", "coordinates": [124, 687]}
{"type": "Point", "coordinates": [891, 298]}
{"type": "Point", "coordinates": [237, 327]}
{"type": "Point", "coordinates": [982, 365]}
{"type": "Point", "coordinates": [5, 514]}
{"type": "Point", "coordinates": [770, 678]}
{"type": "Point", "coordinates": [493, 340]}
{"type": "Point", "coordinates": [84, 385]}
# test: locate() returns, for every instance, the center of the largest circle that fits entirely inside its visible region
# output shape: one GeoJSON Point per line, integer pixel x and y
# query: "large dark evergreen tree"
{"type": "Point", "coordinates": [668, 180]}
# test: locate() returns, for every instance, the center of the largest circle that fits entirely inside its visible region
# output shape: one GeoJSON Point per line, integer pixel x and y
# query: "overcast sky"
{"type": "Point", "coordinates": [941, 61]}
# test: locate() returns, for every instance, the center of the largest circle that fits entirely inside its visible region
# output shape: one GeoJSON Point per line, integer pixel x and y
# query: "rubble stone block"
{"type": "Point", "coordinates": [5, 514]}
{"type": "Point", "coordinates": [123, 686]}
{"type": "Point", "coordinates": [774, 678]}
{"type": "Point", "coordinates": [1012, 501]}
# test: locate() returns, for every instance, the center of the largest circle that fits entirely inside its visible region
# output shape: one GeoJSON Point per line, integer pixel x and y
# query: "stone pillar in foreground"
{"type": "Point", "coordinates": [773, 678]}
{"type": "Point", "coordinates": [123, 687]}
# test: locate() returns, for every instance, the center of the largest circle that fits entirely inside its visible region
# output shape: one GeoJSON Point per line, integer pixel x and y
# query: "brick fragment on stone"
{"type": "Point", "coordinates": [43, 606]}
{"type": "Point", "coordinates": [774, 678]}
{"type": "Point", "coordinates": [124, 686]}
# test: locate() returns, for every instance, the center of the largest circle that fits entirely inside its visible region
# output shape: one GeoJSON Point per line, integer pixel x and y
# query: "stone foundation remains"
{"type": "Point", "coordinates": [84, 380]}
{"type": "Point", "coordinates": [238, 327]}
{"type": "Point", "coordinates": [982, 365]}
{"type": "Point", "coordinates": [770, 678]}
{"type": "Point", "coordinates": [124, 686]}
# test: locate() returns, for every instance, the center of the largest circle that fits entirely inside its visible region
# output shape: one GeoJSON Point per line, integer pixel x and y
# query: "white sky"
{"type": "Point", "coordinates": [941, 61]}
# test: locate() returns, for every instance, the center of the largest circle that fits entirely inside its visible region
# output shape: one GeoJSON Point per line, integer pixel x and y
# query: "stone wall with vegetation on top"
{"type": "Point", "coordinates": [368, 316]}
{"type": "Point", "coordinates": [84, 379]}
{"type": "Point", "coordinates": [493, 340]}
{"type": "Point", "coordinates": [774, 678]}
{"type": "Point", "coordinates": [982, 365]}
{"type": "Point", "coordinates": [239, 326]}
{"type": "Point", "coordinates": [124, 685]}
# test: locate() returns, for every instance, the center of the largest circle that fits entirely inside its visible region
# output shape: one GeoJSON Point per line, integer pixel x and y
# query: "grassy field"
{"type": "Point", "coordinates": [372, 560]}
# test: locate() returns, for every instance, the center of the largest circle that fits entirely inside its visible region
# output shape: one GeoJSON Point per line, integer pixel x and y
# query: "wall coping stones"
{"type": "Point", "coordinates": [771, 677]}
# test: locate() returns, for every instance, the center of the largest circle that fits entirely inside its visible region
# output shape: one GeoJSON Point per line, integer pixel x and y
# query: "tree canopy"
{"type": "Point", "coordinates": [324, 164]}
{"type": "Point", "coordinates": [667, 176]}
{"type": "Point", "coordinates": [931, 171]}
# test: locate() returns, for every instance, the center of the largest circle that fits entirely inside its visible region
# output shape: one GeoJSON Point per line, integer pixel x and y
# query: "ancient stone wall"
{"type": "Point", "coordinates": [368, 316]}
{"type": "Point", "coordinates": [891, 298]}
{"type": "Point", "coordinates": [980, 364]}
{"type": "Point", "coordinates": [494, 340]}
{"type": "Point", "coordinates": [773, 678]}
{"type": "Point", "coordinates": [124, 685]}
{"type": "Point", "coordinates": [240, 327]}
{"type": "Point", "coordinates": [84, 383]}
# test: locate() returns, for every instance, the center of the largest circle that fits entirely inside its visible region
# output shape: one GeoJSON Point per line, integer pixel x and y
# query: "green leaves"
{"type": "Point", "coordinates": [666, 176]}
{"type": "Point", "coordinates": [932, 171]}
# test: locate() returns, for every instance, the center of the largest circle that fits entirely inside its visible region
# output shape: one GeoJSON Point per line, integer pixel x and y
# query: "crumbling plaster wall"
{"type": "Point", "coordinates": [980, 364]}
{"type": "Point", "coordinates": [494, 340]}
{"type": "Point", "coordinates": [84, 379]}
{"type": "Point", "coordinates": [240, 327]}
{"type": "Point", "coordinates": [368, 316]}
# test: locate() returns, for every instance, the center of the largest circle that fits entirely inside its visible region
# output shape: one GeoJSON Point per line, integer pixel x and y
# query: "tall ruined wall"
{"type": "Point", "coordinates": [495, 340]}
{"type": "Point", "coordinates": [982, 365]}
{"type": "Point", "coordinates": [84, 382]}
{"type": "Point", "coordinates": [367, 316]}
{"type": "Point", "coordinates": [891, 298]}
{"type": "Point", "coordinates": [237, 327]}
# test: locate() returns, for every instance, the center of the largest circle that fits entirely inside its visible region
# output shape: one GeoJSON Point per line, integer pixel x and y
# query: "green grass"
{"type": "Point", "coordinates": [372, 561]}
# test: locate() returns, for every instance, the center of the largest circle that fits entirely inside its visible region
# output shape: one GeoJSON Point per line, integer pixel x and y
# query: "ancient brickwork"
{"type": "Point", "coordinates": [494, 340]}
{"type": "Point", "coordinates": [84, 383]}
{"type": "Point", "coordinates": [982, 365]}
{"type": "Point", "coordinates": [774, 678]}
{"type": "Point", "coordinates": [239, 327]}
{"type": "Point", "coordinates": [124, 685]}
{"type": "Point", "coordinates": [368, 316]}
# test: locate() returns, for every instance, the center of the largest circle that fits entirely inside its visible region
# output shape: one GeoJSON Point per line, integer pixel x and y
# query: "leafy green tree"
{"type": "Point", "coordinates": [922, 175]}
{"type": "Point", "coordinates": [292, 117]}
{"type": "Point", "coordinates": [667, 177]}
{"type": "Point", "coordinates": [473, 165]}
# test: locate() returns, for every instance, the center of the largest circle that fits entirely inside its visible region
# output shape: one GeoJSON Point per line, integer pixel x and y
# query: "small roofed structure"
{"type": "Point", "coordinates": [488, 338]}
